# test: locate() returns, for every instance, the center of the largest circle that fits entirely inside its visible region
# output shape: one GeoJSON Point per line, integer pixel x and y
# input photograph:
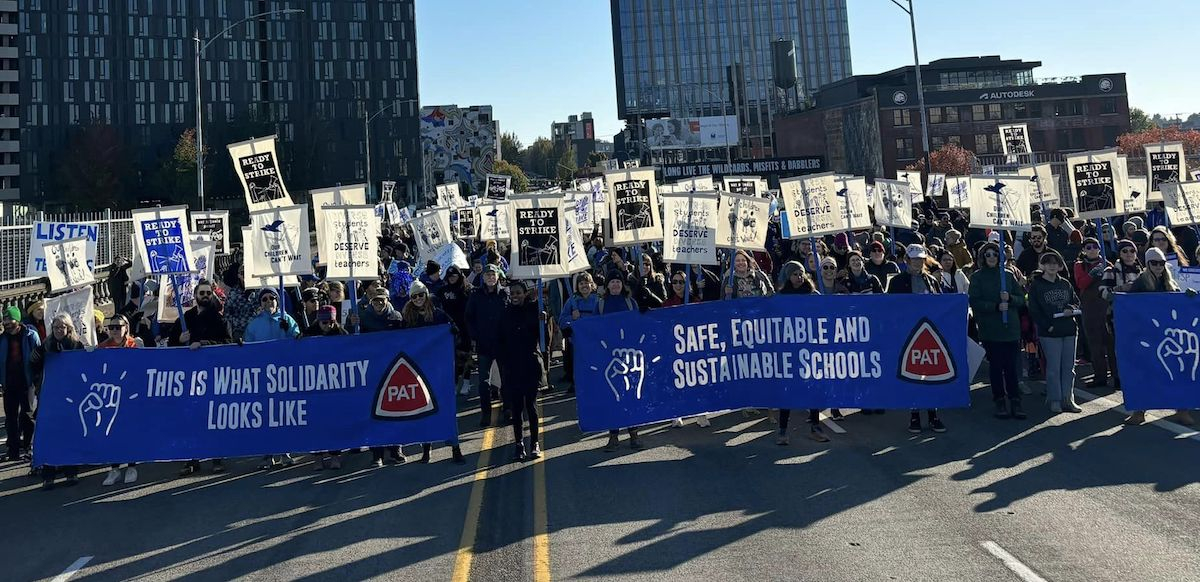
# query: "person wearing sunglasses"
{"type": "Point", "coordinates": [878, 264]}
{"type": "Point", "coordinates": [582, 303]}
{"type": "Point", "coordinates": [205, 327]}
{"type": "Point", "coordinates": [1157, 278]}
{"type": "Point", "coordinates": [1053, 306]}
{"type": "Point", "coordinates": [378, 314]}
{"type": "Point", "coordinates": [797, 281]}
{"type": "Point", "coordinates": [829, 274]}
{"type": "Point", "coordinates": [18, 342]}
{"type": "Point", "coordinates": [521, 367]}
{"type": "Point", "coordinates": [119, 337]}
{"type": "Point", "coordinates": [271, 323]}
{"type": "Point", "coordinates": [1089, 274]}
{"type": "Point", "coordinates": [992, 305]}
{"type": "Point", "coordinates": [1163, 239]}
{"type": "Point", "coordinates": [1119, 278]}
{"type": "Point", "coordinates": [418, 312]}
{"type": "Point", "coordinates": [678, 291]}
{"type": "Point", "coordinates": [1027, 261]}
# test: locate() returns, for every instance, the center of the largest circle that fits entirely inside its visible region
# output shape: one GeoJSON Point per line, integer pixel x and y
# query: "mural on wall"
{"type": "Point", "coordinates": [459, 144]}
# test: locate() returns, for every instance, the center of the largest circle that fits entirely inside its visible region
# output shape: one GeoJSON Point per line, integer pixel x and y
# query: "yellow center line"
{"type": "Point", "coordinates": [466, 544]}
{"type": "Point", "coordinates": [541, 536]}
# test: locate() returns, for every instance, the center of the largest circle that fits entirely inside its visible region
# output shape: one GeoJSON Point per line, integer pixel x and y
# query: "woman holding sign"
{"type": "Point", "coordinates": [1089, 274]}
{"type": "Point", "coordinates": [1119, 278]}
{"type": "Point", "coordinates": [420, 312]}
{"type": "Point", "coordinates": [796, 281]}
{"type": "Point", "coordinates": [999, 328]}
{"type": "Point", "coordinates": [1157, 278]}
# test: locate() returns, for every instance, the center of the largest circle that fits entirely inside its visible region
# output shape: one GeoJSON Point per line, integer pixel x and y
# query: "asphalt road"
{"type": "Point", "coordinates": [1077, 497]}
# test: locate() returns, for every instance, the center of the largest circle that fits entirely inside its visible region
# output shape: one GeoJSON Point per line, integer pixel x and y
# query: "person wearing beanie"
{"type": "Point", "coordinates": [325, 323]}
{"type": "Point", "coordinates": [958, 247]}
{"type": "Point", "coordinates": [616, 299]}
{"type": "Point", "coordinates": [452, 297]}
{"type": "Point", "coordinates": [271, 323]}
{"type": "Point", "coordinates": [521, 367]}
{"type": "Point", "coordinates": [1058, 230]}
{"type": "Point", "coordinates": [419, 312]}
{"type": "Point", "coordinates": [432, 278]}
{"type": "Point", "coordinates": [1089, 274]}
{"type": "Point", "coordinates": [878, 263]}
{"type": "Point", "coordinates": [35, 317]}
{"type": "Point", "coordinates": [1119, 278]}
{"type": "Point", "coordinates": [1053, 306]}
{"type": "Point", "coordinates": [841, 250]}
{"type": "Point", "coordinates": [1000, 338]}
{"type": "Point", "coordinates": [796, 281]}
{"type": "Point", "coordinates": [1108, 240]}
{"type": "Point", "coordinates": [484, 308]}
{"type": "Point", "coordinates": [305, 313]}
{"type": "Point", "coordinates": [828, 274]}
{"type": "Point", "coordinates": [1157, 278]}
{"type": "Point", "coordinates": [18, 342]}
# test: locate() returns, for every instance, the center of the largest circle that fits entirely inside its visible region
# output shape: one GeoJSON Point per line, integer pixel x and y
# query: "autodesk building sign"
{"type": "Point", "coordinates": [996, 95]}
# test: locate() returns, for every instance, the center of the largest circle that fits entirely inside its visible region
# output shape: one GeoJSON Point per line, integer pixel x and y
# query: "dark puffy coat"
{"type": "Point", "coordinates": [519, 354]}
{"type": "Point", "coordinates": [484, 309]}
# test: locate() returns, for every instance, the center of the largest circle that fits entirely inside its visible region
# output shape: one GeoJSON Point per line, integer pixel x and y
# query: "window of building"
{"type": "Point", "coordinates": [955, 139]}
{"type": "Point", "coordinates": [1068, 107]}
{"type": "Point", "coordinates": [978, 113]}
{"type": "Point", "coordinates": [994, 143]}
{"type": "Point", "coordinates": [951, 115]}
{"type": "Point", "coordinates": [981, 144]}
{"type": "Point", "coordinates": [1108, 106]}
{"type": "Point", "coordinates": [904, 148]}
{"type": "Point", "coordinates": [901, 117]}
{"type": "Point", "coordinates": [994, 112]}
{"type": "Point", "coordinates": [1110, 135]}
{"type": "Point", "coordinates": [935, 115]}
{"type": "Point", "coordinates": [936, 142]}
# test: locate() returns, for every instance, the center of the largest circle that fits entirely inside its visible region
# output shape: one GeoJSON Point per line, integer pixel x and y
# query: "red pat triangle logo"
{"type": "Point", "coordinates": [404, 393]}
{"type": "Point", "coordinates": [925, 357]}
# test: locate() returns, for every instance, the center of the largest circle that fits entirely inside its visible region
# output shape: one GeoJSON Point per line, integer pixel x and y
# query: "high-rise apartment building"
{"type": "Point", "coordinates": [701, 58]}
{"type": "Point", "coordinates": [311, 78]}
{"type": "Point", "coordinates": [10, 144]}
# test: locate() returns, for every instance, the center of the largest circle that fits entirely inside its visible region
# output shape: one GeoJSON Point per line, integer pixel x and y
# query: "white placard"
{"type": "Point", "coordinates": [1135, 200]}
{"type": "Point", "coordinates": [464, 222]}
{"type": "Point", "coordinates": [67, 265]}
{"type": "Point", "coordinates": [448, 195]}
{"type": "Point", "coordinates": [958, 191]}
{"type": "Point", "coordinates": [431, 230]}
{"type": "Point", "coordinates": [258, 169]}
{"type": "Point", "coordinates": [913, 177]}
{"type": "Point", "coordinates": [742, 222]}
{"type": "Point", "coordinates": [355, 195]}
{"type": "Point", "coordinates": [1182, 201]}
{"type": "Point", "coordinates": [690, 228]}
{"type": "Point", "coordinates": [1001, 202]}
{"type": "Point", "coordinates": [744, 185]}
{"type": "Point", "coordinates": [389, 187]}
{"type": "Point", "coordinates": [893, 203]}
{"type": "Point", "coordinates": [203, 256]}
{"type": "Point", "coordinates": [1045, 187]}
{"type": "Point", "coordinates": [249, 266]}
{"type": "Point", "coordinates": [1166, 162]}
{"type": "Point", "coordinates": [351, 241]}
{"type": "Point", "coordinates": [161, 238]}
{"type": "Point", "coordinates": [937, 185]}
{"type": "Point", "coordinates": [812, 206]}
{"type": "Point", "coordinates": [281, 241]}
{"type": "Point", "coordinates": [214, 223]}
{"type": "Point", "coordinates": [539, 237]}
{"type": "Point", "coordinates": [577, 260]}
{"type": "Point", "coordinates": [583, 207]}
{"type": "Point", "coordinates": [697, 184]}
{"type": "Point", "coordinates": [633, 206]}
{"type": "Point", "coordinates": [853, 202]}
{"type": "Point", "coordinates": [42, 232]}
{"type": "Point", "coordinates": [1014, 139]}
{"type": "Point", "coordinates": [493, 221]}
{"type": "Point", "coordinates": [1097, 184]}
{"type": "Point", "coordinates": [81, 306]}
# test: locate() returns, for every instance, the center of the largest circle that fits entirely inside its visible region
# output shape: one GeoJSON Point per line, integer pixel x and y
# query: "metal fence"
{"type": "Point", "coordinates": [112, 241]}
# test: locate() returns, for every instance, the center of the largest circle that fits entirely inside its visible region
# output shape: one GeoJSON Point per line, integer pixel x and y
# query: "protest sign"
{"type": "Point", "coordinates": [431, 230]}
{"type": "Point", "coordinates": [1158, 343]}
{"type": "Point", "coordinates": [203, 256]}
{"type": "Point", "coordinates": [879, 351]}
{"type": "Point", "coordinates": [1000, 202]}
{"type": "Point", "coordinates": [577, 260]}
{"type": "Point", "coordinates": [257, 167]}
{"type": "Point", "coordinates": [281, 241]}
{"type": "Point", "coordinates": [1165, 162]}
{"type": "Point", "coordinates": [744, 185]}
{"type": "Point", "coordinates": [937, 185]}
{"type": "Point", "coordinates": [355, 195]}
{"type": "Point", "coordinates": [351, 241]}
{"type": "Point", "coordinates": [812, 206]}
{"type": "Point", "coordinates": [161, 239]}
{"type": "Point", "coordinates": [853, 202]}
{"type": "Point", "coordinates": [1186, 277]}
{"type": "Point", "coordinates": [1014, 139]}
{"type": "Point", "coordinates": [248, 266]}
{"type": "Point", "coordinates": [1045, 187]}
{"type": "Point", "coordinates": [493, 221]}
{"type": "Point", "coordinates": [690, 225]}
{"type": "Point", "coordinates": [893, 203]}
{"type": "Point", "coordinates": [1182, 201]}
{"type": "Point", "coordinates": [448, 195]}
{"type": "Point", "coordinates": [1096, 183]}
{"type": "Point", "coordinates": [633, 206]}
{"type": "Point", "coordinates": [67, 265]}
{"type": "Point", "coordinates": [583, 207]}
{"type": "Point", "coordinates": [1136, 198]}
{"type": "Point", "coordinates": [388, 189]}
{"type": "Point", "coordinates": [913, 177]}
{"type": "Point", "coordinates": [446, 256]}
{"type": "Point", "coordinates": [318, 394]}
{"type": "Point", "coordinates": [698, 184]}
{"type": "Point", "coordinates": [539, 235]}
{"type": "Point", "coordinates": [498, 186]}
{"type": "Point", "coordinates": [81, 306]}
{"type": "Point", "coordinates": [742, 221]}
{"type": "Point", "coordinates": [42, 232]}
{"type": "Point", "coordinates": [214, 223]}
{"type": "Point", "coordinates": [958, 191]}
{"type": "Point", "coordinates": [465, 222]}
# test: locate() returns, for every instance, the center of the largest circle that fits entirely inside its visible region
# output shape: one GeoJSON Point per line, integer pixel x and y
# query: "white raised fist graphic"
{"type": "Point", "coordinates": [99, 408]}
{"type": "Point", "coordinates": [1179, 349]}
{"type": "Point", "coordinates": [626, 372]}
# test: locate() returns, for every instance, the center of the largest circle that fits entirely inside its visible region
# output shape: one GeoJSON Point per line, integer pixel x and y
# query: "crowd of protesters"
{"type": "Point", "coordinates": [1030, 297]}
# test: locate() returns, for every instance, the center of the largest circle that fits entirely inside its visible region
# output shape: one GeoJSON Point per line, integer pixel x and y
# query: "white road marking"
{"type": "Point", "coordinates": [833, 426]}
{"type": "Point", "coordinates": [71, 570]}
{"type": "Point", "coordinates": [1010, 561]}
{"type": "Point", "coordinates": [1162, 422]}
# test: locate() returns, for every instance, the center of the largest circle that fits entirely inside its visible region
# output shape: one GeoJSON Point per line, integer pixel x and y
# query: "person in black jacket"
{"type": "Point", "coordinates": [421, 312]}
{"type": "Point", "coordinates": [917, 281]}
{"type": "Point", "coordinates": [326, 324]}
{"type": "Point", "coordinates": [649, 287]}
{"type": "Point", "coordinates": [484, 308]}
{"type": "Point", "coordinates": [205, 327]}
{"type": "Point", "coordinates": [452, 297]}
{"type": "Point", "coordinates": [520, 362]}
{"type": "Point", "coordinates": [62, 338]}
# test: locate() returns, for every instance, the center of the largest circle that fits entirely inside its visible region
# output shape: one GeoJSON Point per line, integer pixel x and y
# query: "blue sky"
{"type": "Point", "coordinates": [538, 61]}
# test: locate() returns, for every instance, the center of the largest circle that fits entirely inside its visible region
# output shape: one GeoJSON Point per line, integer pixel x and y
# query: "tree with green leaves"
{"type": "Point", "coordinates": [510, 148]}
{"type": "Point", "coordinates": [540, 158]}
{"type": "Point", "coordinates": [595, 158]}
{"type": "Point", "coordinates": [1139, 121]}
{"type": "Point", "coordinates": [520, 182]}
{"type": "Point", "coordinates": [566, 167]}
{"type": "Point", "coordinates": [95, 172]}
{"type": "Point", "coordinates": [175, 178]}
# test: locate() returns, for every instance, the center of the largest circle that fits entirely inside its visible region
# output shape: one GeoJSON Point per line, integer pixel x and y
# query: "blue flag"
{"type": "Point", "coordinates": [314, 394]}
{"type": "Point", "coordinates": [842, 351]}
{"type": "Point", "coordinates": [1158, 349]}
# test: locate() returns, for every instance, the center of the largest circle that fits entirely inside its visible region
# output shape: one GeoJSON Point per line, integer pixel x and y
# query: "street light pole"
{"type": "Point", "coordinates": [200, 48]}
{"type": "Point", "coordinates": [367, 135]}
{"type": "Point", "coordinates": [912, 23]}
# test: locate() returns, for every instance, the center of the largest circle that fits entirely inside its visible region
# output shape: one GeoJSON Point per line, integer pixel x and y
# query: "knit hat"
{"type": "Point", "coordinates": [840, 240]}
{"type": "Point", "coordinates": [828, 261]}
{"type": "Point", "coordinates": [492, 269]}
{"type": "Point", "coordinates": [1123, 243]}
{"type": "Point", "coordinates": [310, 294]}
{"type": "Point", "coordinates": [1155, 254]}
{"type": "Point", "coordinates": [915, 251]}
{"type": "Point", "coordinates": [1137, 221]}
{"type": "Point", "coordinates": [265, 291]}
{"type": "Point", "coordinates": [417, 288]}
{"type": "Point", "coordinates": [876, 246]}
{"type": "Point", "coordinates": [614, 275]}
{"type": "Point", "coordinates": [432, 268]}
{"type": "Point", "coordinates": [326, 313]}
{"type": "Point", "coordinates": [1091, 240]}
{"type": "Point", "coordinates": [12, 312]}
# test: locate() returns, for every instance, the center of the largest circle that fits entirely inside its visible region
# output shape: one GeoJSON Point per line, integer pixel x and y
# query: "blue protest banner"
{"type": "Point", "coordinates": [314, 394]}
{"type": "Point", "coordinates": [1158, 349]}
{"type": "Point", "coordinates": [842, 351]}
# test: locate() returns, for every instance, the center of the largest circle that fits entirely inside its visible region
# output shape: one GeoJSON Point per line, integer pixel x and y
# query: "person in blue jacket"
{"type": "Point", "coordinates": [271, 323]}
{"type": "Point", "coordinates": [617, 300]}
{"type": "Point", "coordinates": [583, 303]}
{"type": "Point", "coordinates": [17, 345]}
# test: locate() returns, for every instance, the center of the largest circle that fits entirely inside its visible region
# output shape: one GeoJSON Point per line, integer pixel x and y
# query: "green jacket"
{"type": "Point", "coordinates": [984, 296]}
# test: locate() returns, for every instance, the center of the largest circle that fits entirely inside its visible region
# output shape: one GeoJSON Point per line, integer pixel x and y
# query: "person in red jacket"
{"type": "Point", "coordinates": [1088, 273]}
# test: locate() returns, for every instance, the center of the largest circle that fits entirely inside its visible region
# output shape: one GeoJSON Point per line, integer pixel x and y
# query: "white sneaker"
{"type": "Point", "coordinates": [112, 477]}
{"type": "Point", "coordinates": [702, 421]}
{"type": "Point", "coordinates": [678, 422]}
{"type": "Point", "coordinates": [130, 475]}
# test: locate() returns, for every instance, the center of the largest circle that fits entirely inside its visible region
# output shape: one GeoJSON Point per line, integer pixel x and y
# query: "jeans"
{"type": "Point", "coordinates": [1004, 369]}
{"type": "Point", "coordinates": [1060, 368]}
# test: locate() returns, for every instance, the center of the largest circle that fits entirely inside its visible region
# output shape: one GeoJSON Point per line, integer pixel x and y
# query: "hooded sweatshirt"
{"type": "Point", "coordinates": [1048, 299]}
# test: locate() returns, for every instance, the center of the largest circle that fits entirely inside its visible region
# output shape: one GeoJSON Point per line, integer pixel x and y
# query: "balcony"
{"type": "Point", "coordinates": [8, 28]}
{"type": "Point", "coordinates": [9, 99]}
{"type": "Point", "coordinates": [10, 123]}
{"type": "Point", "coordinates": [8, 5]}
{"type": "Point", "coordinates": [10, 170]}
{"type": "Point", "coordinates": [10, 147]}
{"type": "Point", "coordinates": [10, 193]}
{"type": "Point", "coordinates": [10, 76]}
{"type": "Point", "coordinates": [9, 52]}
